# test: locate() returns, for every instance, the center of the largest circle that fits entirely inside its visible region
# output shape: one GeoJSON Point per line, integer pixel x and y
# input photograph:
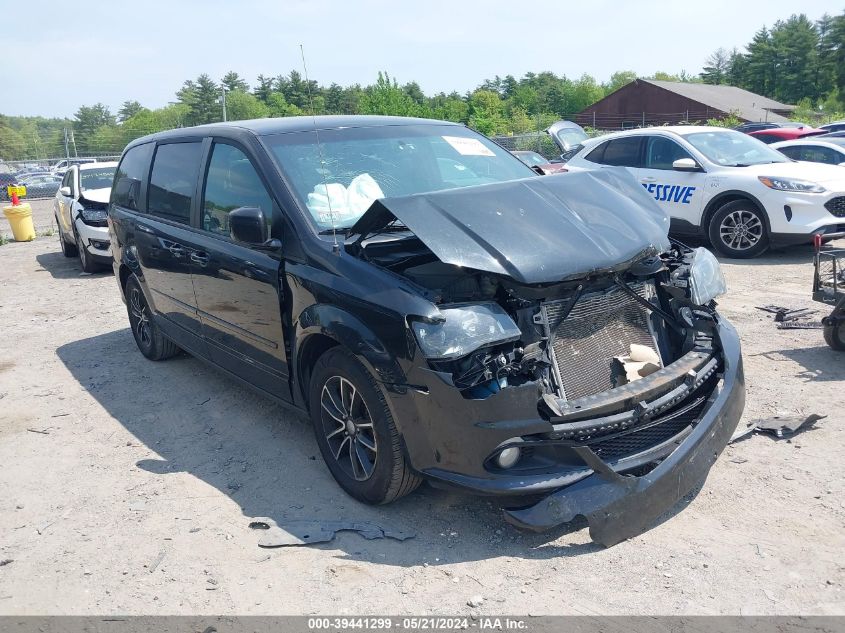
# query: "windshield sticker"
{"type": "Point", "coordinates": [670, 193]}
{"type": "Point", "coordinates": [468, 146]}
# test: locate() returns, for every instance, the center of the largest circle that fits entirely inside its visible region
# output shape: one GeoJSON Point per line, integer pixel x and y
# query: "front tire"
{"type": "Point", "coordinates": [355, 431]}
{"type": "Point", "coordinates": [738, 230]}
{"type": "Point", "coordinates": [85, 260]}
{"type": "Point", "coordinates": [149, 338]}
{"type": "Point", "coordinates": [834, 335]}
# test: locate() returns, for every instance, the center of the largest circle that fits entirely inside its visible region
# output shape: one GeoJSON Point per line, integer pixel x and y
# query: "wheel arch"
{"type": "Point", "coordinates": [726, 197]}
{"type": "Point", "coordinates": [327, 326]}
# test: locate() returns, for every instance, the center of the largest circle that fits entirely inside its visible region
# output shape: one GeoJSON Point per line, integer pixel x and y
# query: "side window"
{"type": "Point", "coordinates": [173, 180]}
{"type": "Point", "coordinates": [67, 179]}
{"type": "Point", "coordinates": [232, 182]}
{"type": "Point", "coordinates": [661, 152]}
{"type": "Point", "coordinates": [818, 154]}
{"type": "Point", "coordinates": [623, 152]}
{"type": "Point", "coordinates": [792, 152]}
{"type": "Point", "coordinates": [126, 192]}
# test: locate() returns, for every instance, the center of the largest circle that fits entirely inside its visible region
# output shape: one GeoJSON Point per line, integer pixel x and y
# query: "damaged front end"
{"type": "Point", "coordinates": [578, 353]}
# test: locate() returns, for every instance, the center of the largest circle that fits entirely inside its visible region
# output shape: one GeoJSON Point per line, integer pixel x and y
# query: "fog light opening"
{"type": "Point", "coordinates": [509, 457]}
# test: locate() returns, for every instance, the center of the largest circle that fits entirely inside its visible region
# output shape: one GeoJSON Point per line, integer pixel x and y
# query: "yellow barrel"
{"type": "Point", "coordinates": [20, 217]}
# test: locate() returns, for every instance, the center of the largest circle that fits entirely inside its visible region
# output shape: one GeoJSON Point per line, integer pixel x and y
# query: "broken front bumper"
{"type": "Point", "coordinates": [617, 506]}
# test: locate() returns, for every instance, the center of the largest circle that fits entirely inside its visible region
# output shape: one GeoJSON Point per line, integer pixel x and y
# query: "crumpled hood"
{"type": "Point", "coordinates": [97, 195]}
{"type": "Point", "coordinates": [536, 230]}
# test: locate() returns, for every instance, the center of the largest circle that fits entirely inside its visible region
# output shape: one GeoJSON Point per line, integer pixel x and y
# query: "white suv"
{"type": "Point", "coordinates": [728, 186]}
{"type": "Point", "coordinates": [80, 208]}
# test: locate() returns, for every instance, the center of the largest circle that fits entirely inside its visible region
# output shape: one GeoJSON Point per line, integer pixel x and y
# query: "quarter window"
{"type": "Point", "coordinates": [232, 182]}
{"type": "Point", "coordinates": [662, 152]}
{"type": "Point", "coordinates": [127, 181]}
{"type": "Point", "coordinates": [173, 179]}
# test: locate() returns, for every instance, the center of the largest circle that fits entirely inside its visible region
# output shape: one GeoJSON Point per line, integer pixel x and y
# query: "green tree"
{"type": "Point", "coordinates": [241, 105]}
{"type": "Point", "coordinates": [386, 97]}
{"type": "Point", "coordinates": [128, 109]}
{"type": "Point", "coordinates": [618, 79]}
{"type": "Point", "coordinates": [203, 98]}
{"type": "Point", "coordinates": [716, 67]}
{"type": "Point", "coordinates": [486, 112]}
{"type": "Point", "coordinates": [232, 81]}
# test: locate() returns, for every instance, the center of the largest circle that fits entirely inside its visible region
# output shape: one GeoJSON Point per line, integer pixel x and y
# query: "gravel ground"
{"type": "Point", "coordinates": [127, 486]}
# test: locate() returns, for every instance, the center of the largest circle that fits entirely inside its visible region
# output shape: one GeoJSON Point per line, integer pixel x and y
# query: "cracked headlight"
{"type": "Point", "coordinates": [93, 215]}
{"type": "Point", "coordinates": [706, 281]}
{"type": "Point", "coordinates": [791, 184]}
{"type": "Point", "coordinates": [464, 329]}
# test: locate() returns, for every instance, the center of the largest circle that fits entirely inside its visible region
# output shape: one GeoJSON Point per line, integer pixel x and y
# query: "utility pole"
{"type": "Point", "coordinates": [67, 151]}
{"type": "Point", "coordinates": [224, 104]}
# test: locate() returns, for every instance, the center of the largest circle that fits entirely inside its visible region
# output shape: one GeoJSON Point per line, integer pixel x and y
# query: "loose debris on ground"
{"type": "Point", "coordinates": [318, 531]}
{"type": "Point", "coordinates": [779, 426]}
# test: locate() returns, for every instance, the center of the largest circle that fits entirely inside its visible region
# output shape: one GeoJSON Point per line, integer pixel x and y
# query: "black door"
{"type": "Point", "coordinates": [162, 235]}
{"type": "Point", "coordinates": [237, 286]}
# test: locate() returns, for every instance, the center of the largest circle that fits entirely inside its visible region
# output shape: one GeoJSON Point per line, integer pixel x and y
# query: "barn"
{"type": "Point", "coordinates": [645, 102]}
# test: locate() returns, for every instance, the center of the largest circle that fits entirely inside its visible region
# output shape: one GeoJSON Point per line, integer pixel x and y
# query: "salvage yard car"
{"type": "Point", "coordinates": [80, 208]}
{"type": "Point", "coordinates": [727, 186]}
{"type": "Point", "coordinates": [484, 331]}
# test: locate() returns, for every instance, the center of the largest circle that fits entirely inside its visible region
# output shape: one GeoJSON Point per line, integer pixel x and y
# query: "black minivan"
{"type": "Point", "coordinates": [438, 310]}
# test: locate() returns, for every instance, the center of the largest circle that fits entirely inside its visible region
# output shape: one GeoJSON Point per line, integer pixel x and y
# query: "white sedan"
{"type": "Point", "coordinates": [80, 208]}
{"type": "Point", "coordinates": [814, 150]}
{"type": "Point", "coordinates": [727, 186]}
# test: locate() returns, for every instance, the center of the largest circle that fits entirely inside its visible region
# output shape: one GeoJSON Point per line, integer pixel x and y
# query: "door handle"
{"type": "Point", "coordinates": [199, 257]}
{"type": "Point", "coordinates": [648, 179]}
{"type": "Point", "coordinates": [177, 250]}
{"type": "Point", "coordinates": [144, 229]}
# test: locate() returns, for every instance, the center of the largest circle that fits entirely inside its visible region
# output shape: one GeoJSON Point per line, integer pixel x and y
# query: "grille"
{"type": "Point", "coordinates": [638, 441]}
{"type": "Point", "coordinates": [600, 326]}
{"type": "Point", "coordinates": [836, 206]}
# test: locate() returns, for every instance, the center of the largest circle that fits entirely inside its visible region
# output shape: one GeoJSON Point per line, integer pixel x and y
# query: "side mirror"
{"type": "Point", "coordinates": [686, 164]}
{"type": "Point", "coordinates": [65, 191]}
{"type": "Point", "coordinates": [539, 170]}
{"type": "Point", "coordinates": [247, 225]}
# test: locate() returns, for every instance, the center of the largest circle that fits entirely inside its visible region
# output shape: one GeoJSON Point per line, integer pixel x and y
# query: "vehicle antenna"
{"type": "Point", "coordinates": [335, 247]}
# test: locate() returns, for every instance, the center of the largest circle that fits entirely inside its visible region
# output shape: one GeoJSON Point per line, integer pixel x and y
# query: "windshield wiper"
{"type": "Point", "coordinates": [343, 230]}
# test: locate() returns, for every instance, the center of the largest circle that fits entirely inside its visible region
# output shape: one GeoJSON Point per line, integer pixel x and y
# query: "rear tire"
{"type": "Point", "coordinates": [355, 431]}
{"type": "Point", "coordinates": [149, 338]}
{"type": "Point", "coordinates": [68, 250]}
{"type": "Point", "coordinates": [738, 230]}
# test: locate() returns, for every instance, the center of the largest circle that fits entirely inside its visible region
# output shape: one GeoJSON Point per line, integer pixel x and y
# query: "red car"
{"type": "Point", "coordinates": [773, 135]}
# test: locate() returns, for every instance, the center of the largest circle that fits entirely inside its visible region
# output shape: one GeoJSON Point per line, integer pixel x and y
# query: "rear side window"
{"type": "Point", "coordinates": [126, 191]}
{"type": "Point", "coordinates": [173, 181]}
{"type": "Point", "coordinates": [597, 155]}
{"type": "Point", "coordinates": [792, 152]}
{"type": "Point", "coordinates": [623, 152]}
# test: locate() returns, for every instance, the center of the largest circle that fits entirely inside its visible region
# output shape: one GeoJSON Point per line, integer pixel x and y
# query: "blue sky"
{"type": "Point", "coordinates": [66, 54]}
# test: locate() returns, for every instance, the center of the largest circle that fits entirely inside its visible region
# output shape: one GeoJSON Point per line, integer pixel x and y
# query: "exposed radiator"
{"type": "Point", "coordinates": [600, 325]}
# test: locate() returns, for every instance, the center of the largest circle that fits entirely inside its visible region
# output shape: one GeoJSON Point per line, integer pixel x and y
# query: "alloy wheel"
{"type": "Point", "coordinates": [348, 428]}
{"type": "Point", "coordinates": [741, 230]}
{"type": "Point", "coordinates": [140, 318]}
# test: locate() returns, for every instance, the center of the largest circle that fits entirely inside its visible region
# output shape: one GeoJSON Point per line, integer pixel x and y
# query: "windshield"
{"type": "Point", "coordinates": [100, 178]}
{"type": "Point", "coordinates": [361, 165]}
{"type": "Point", "coordinates": [733, 149]}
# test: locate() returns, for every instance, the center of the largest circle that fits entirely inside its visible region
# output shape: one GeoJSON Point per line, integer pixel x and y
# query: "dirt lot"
{"type": "Point", "coordinates": [128, 486]}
